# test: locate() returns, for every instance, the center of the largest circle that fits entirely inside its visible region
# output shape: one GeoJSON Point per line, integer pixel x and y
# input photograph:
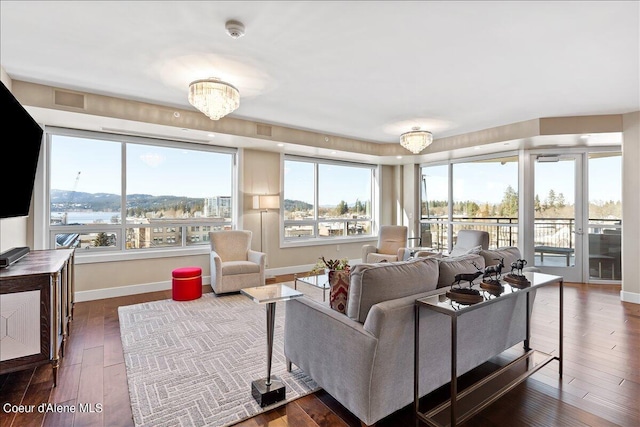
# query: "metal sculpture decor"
{"type": "Point", "coordinates": [465, 295]}
{"type": "Point", "coordinates": [467, 277]}
{"type": "Point", "coordinates": [494, 272]}
{"type": "Point", "coordinates": [518, 265]}
{"type": "Point", "coordinates": [517, 279]}
{"type": "Point", "coordinates": [491, 278]}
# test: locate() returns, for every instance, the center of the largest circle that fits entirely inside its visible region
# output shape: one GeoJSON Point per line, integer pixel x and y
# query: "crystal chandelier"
{"type": "Point", "coordinates": [214, 97]}
{"type": "Point", "coordinates": [416, 140]}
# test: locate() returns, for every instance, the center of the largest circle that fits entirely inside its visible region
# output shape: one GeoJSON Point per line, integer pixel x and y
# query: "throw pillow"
{"type": "Point", "coordinates": [509, 254]}
{"type": "Point", "coordinates": [374, 283]}
{"type": "Point", "coordinates": [475, 250]}
{"type": "Point", "coordinates": [428, 254]}
{"type": "Point", "coordinates": [339, 290]}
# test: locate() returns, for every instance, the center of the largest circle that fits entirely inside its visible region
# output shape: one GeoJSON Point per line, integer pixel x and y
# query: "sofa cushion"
{"type": "Point", "coordinates": [377, 257]}
{"type": "Point", "coordinates": [239, 267]}
{"type": "Point", "coordinates": [509, 254]}
{"type": "Point", "coordinates": [373, 283]}
{"type": "Point", "coordinates": [450, 266]}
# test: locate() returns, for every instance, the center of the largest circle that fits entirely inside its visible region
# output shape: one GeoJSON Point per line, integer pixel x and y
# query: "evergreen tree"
{"type": "Point", "coordinates": [509, 205]}
{"type": "Point", "coordinates": [471, 208]}
{"type": "Point", "coordinates": [342, 208]}
{"type": "Point", "coordinates": [561, 203]}
{"type": "Point", "coordinates": [102, 239]}
{"type": "Point", "coordinates": [551, 199]}
{"type": "Point", "coordinates": [359, 207]}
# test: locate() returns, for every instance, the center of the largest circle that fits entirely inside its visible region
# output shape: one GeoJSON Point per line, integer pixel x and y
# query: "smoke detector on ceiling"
{"type": "Point", "coordinates": [235, 29]}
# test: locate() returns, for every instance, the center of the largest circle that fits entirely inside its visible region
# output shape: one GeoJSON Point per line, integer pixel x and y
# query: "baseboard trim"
{"type": "Point", "coordinates": [630, 297]}
{"type": "Point", "coordinates": [121, 291]}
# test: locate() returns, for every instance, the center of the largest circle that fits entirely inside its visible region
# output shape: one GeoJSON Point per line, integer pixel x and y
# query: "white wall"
{"type": "Point", "coordinates": [13, 233]}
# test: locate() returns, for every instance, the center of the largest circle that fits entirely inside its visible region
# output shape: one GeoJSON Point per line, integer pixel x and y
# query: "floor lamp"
{"type": "Point", "coordinates": [263, 203]}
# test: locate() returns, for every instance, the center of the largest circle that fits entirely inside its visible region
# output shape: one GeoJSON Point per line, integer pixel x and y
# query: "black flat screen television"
{"type": "Point", "coordinates": [20, 154]}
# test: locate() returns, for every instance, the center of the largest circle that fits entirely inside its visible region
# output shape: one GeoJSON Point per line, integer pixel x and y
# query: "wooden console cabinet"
{"type": "Point", "coordinates": [36, 306]}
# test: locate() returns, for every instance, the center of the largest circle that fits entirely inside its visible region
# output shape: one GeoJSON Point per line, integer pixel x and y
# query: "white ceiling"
{"type": "Point", "coordinates": [359, 69]}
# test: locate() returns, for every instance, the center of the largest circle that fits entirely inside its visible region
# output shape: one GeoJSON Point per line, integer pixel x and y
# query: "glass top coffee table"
{"type": "Point", "coordinates": [318, 280]}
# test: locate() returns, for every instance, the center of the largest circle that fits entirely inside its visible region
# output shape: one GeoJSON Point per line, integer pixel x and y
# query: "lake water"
{"type": "Point", "coordinates": [86, 217]}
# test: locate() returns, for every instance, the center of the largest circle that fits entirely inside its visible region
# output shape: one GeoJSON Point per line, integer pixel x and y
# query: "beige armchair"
{"type": "Point", "coordinates": [467, 240]}
{"type": "Point", "coordinates": [392, 245]}
{"type": "Point", "coordinates": [234, 265]}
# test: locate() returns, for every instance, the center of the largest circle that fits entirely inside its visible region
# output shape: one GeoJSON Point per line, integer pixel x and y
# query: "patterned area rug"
{"type": "Point", "coordinates": [191, 363]}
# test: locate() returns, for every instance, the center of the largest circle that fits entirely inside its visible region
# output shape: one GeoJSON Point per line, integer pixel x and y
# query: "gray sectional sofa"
{"type": "Point", "coordinates": [364, 359]}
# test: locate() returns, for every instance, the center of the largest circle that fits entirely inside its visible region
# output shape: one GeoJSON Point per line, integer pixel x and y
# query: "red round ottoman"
{"type": "Point", "coordinates": [186, 283]}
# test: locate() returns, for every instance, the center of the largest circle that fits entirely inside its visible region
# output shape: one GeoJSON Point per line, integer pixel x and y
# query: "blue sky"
{"type": "Point", "coordinates": [162, 171]}
{"type": "Point", "coordinates": [150, 170]}
{"type": "Point", "coordinates": [486, 182]}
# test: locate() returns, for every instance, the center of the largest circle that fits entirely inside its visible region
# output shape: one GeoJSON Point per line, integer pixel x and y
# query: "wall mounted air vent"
{"type": "Point", "coordinates": [263, 130]}
{"type": "Point", "coordinates": [68, 99]}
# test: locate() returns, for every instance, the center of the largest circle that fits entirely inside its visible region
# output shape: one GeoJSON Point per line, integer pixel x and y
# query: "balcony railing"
{"type": "Point", "coordinates": [502, 231]}
{"type": "Point", "coordinates": [551, 232]}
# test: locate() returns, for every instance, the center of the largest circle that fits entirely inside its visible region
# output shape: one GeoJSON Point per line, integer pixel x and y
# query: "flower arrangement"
{"type": "Point", "coordinates": [330, 264]}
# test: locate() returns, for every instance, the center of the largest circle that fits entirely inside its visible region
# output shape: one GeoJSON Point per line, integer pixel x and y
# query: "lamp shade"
{"type": "Point", "coordinates": [214, 97]}
{"type": "Point", "coordinates": [266, 202]}
{"type": "Point", "coordinates": [416, 140]}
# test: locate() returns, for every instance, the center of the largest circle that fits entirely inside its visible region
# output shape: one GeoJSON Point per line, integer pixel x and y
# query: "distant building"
{"type": "Point", "coordinates": [217, 207]}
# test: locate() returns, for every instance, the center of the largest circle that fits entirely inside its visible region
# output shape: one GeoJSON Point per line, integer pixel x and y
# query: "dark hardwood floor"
{"type": "Point", "coordinates": [600, 385]}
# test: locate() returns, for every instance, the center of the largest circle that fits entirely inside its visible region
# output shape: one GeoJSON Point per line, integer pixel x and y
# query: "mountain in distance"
{"type": "Point", "coordinates": [106, 202]}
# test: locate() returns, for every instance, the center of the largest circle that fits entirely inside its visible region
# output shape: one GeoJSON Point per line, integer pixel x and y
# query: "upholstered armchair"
{"type": "Point", "coordinates": [234, 265]}
{"type": "Point", "coordinates": [468, 240]}
{"type": "Point", "coordinates": [392, 245]}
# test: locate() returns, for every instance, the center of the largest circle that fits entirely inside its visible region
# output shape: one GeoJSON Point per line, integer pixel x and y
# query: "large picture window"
{"type": "Point", "coordinates": [117, 193]}
{"type": "Point", "coordinates": [327, 200]}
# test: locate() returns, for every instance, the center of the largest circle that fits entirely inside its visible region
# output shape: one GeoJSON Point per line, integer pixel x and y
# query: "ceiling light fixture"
{"type": "Point", "coordinates": [214, 97]}
{"type": "Point", "coordinates": [416, 140]}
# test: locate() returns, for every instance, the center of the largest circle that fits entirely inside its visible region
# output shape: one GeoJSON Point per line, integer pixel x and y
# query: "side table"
{"type": "Point", "coordinates": [269, 390]}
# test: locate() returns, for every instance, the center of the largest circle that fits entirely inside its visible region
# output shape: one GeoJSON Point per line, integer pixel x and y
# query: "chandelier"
{"type": "Point", "coordinates": [214, 97]}
{"type": "Point", "coordinates": [416, 140]}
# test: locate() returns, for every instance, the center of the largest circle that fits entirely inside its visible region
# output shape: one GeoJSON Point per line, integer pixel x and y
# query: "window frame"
{"type": "Point", "coordinates": [44, 232]}
{"type": "Point", "coordinates": [316, 239]}
{"type": "Point", "coordinates": [450, 223]}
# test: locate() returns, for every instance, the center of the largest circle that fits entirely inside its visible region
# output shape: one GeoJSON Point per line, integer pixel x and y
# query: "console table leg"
{"type": "Point", "coordinates": [454, 368]}
{"type": "Point", "coordinates": [561, 337]}
{"type": "Point", "coordinates": [527, 346]}
{"type": "Point", "coordinates": [416, 362]}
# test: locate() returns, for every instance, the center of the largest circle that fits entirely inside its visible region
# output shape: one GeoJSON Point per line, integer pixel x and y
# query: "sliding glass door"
{"type": "Point", "coordinates": [558, 217]}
